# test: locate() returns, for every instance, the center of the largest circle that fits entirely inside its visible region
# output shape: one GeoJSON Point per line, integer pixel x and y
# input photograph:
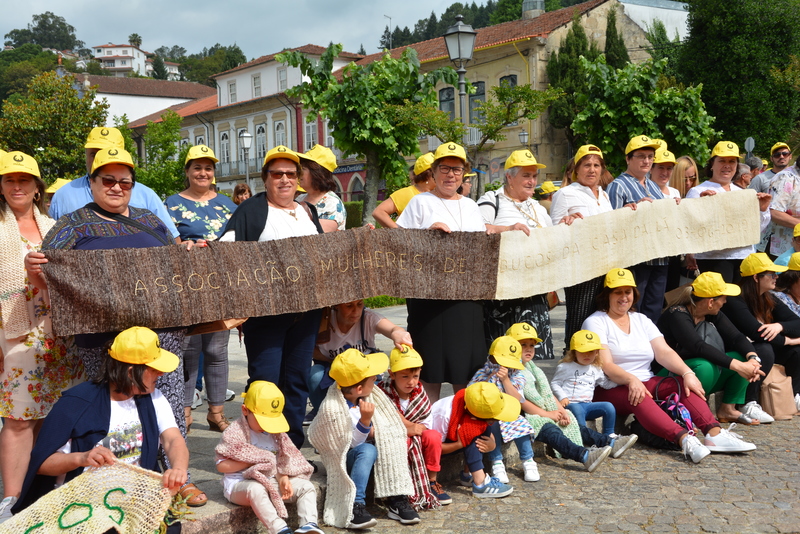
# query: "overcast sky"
{"type": "Point", "coordinates": [259, 27]}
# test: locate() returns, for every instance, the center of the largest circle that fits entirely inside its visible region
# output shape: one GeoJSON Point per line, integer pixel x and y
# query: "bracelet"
{"type": "Point", "coordinates": [688, 373]}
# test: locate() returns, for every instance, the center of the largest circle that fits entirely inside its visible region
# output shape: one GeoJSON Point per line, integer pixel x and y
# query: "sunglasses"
{"type": "Point", "coordinates": [125, 185]}
{"type": "Point", "coordinates": [781, 154]}
{"type": "Point", "coordinates": [278, 174]}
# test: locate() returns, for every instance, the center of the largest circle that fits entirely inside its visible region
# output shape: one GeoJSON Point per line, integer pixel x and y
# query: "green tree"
{"type": "Point", "coordinates": [616, 52]}
{"type": "Point", "coordinates": [356, 108]}
{"type": "Point", "coordinates": [732, 59]}
{"type": "Point", "coordinates": [620, 103]}
{"type": "Point", "coordinates": [51, 122]}
{"type": "Point", "coordinates": [19, 66]}
{"type": "Point", "coordinates": [135, 39]}
{"type": "Point", "coordinates": [506, 11]}
{"type": "Point", "coordinates": [121, 124]}
{"type": "Point", "coordinates": [661, 46]}
{"type": "Point", "coordinates": [47, 30]}
{"type": "Point", "coordinates": [361, 50]}
{"type": "Point", "coordinates": [162, 168]}
{"type": "Point", "coordinates": [159, 69]}
{"type": "Point", "coordinates": [564, 72]}
{"type": "Point", "coordinates": [173, 53]}
{"type": "Point", "coordinates": [552, 5]}
{"type": "Point", "coordinates": [200, 67]}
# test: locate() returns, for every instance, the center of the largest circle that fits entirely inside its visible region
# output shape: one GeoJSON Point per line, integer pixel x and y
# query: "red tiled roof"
{"type": "Point", "coordinates": [184, 110]}
{"type": "Point", "coordinates": [147, 87]}
{"type": "Point", "coordinates": [305, 49]}
{"type": "Point", "coordinates": [506, 32]}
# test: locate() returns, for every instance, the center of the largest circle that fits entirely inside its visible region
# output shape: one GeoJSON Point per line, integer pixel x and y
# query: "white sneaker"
{"type": "Point", "coordinates": [499, 471]}
{"type": "Point", "coordinates": [797, 402]}
{"type": "Point", "coordinates": [692, 448]}
{"type": "Point", "coordinates": [5, 508]}
{"type": "Point", "coordinates": [531, 470]}
{"type": "Point", "coordinates": [727, 441]}
{"type": "Point", "coordinates": [754, 410]}
{"type": "Point", "coordinates": [197, 401]}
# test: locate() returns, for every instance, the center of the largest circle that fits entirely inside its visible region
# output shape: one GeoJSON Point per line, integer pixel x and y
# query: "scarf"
{"type": "Point", "coordinates": [419, 408]}
{"type": "Point", "coordinates": [235, 445]}
{"type": "Point", "coordinates": [463, 425]}
{"type": "Point", "coordinates": [13, 278]}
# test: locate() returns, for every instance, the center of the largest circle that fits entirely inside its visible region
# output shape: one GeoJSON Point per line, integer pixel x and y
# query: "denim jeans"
{"type": "Point", "coordinates": [593, 410]}
{"type": "Point", "coordinates": [552, 435]}
{"type": "Point", "coordinates": [359, 466]}
{"type": "Point", "coordinates": [472, 456]}
{"type": "Point", "coordinates": [524, 445]}
{"type": "Point", "coordinates": [315, 393]}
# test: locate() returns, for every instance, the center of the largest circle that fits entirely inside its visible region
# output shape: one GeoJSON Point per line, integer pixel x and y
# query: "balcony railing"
{"type": "Point", "coordinates": [238, 168]}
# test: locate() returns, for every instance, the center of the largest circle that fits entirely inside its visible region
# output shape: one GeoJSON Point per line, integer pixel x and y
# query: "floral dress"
{"type": "Point", "coordinates": [330, 206]}
{"type": "Point", "coordinates": [39, 366]}
{"type": "Point", "coordinates": [203, 219]}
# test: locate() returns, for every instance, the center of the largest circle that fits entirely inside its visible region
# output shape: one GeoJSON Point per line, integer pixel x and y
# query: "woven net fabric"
{"type": "Point", "coordinates": [123, 497]}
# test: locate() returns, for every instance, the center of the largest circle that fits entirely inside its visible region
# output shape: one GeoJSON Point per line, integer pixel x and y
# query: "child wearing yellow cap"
{"type": "Point", "coordinates": [504, 369]}
{"type": "Point", "coordinates": [262, 466]}
{"type": "Point", "coordinates": [358, 427]}
{"type": "Point", "coordinates": [424, 444]}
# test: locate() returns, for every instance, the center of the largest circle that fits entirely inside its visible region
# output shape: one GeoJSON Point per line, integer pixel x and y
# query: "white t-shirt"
{"type": "Point", "coordinates": [673, 193]}
{"type": "Point", "coordinates": [632, 352]}
{"type": "Point", "coordinates": [353, 338]}
{"type": "Point", "coordinates": [262, 440]}
{"type": "Point", "coordinates": [577, 198]}
{"type": "Point", "coordinates": [282, 224]}
{"type": "Point", "coordinates": [510, 212]}
{"type": "Point", "coordinates": [576, 382]}
{"type": "Point", "coordinates": [439, 419]}
{"type": "Point", "coordinates": [461, 215]}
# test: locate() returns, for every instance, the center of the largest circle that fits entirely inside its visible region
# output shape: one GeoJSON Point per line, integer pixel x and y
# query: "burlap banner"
{"type": "Point", "coordinates": [110, 290]}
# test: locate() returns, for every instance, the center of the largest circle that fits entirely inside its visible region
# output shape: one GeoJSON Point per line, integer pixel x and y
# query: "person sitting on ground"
{"type": "Point", "coordinates": [421, 177]}
{"type": "Point", "coordinates": [787, 289]}
{"type": "Point", "coordinates": [118, 416]}
{"type": "Point", "coordinates": [631, 342]}
{"type": "Point", "coordinates": [358, 427]}
{"type": "Point", "coordinates": [424, 444]}
{"type": "Point", "coordinates": [555, 426]}
{"type": "Point", "coordinates": [465, 422]}
{"type": "Point", "coordinates": [503, 369]}
{"type": "Point", "coordinates": [720, 355]}
{"type": "Point", "coordinates": [262, 466]}
{"type": "Point", "coordinates": [577, 375]}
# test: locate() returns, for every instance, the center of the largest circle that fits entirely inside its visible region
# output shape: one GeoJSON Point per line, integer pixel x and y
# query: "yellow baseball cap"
{"type": "Point", "coordinates": [17, 161]}
{"type": "Point", "coordinates": [759, 262]}
{"type": "Point", "coordinates": [2, 153]}
{"type": "Point", "coordinates": [725, 149]}
{"type": "Point", "coordinates": [108, 156]}
{"type": "Point", "coordinates": [522, 158]}
{"type": "Point", "coordinates": [450, 150]}
{"type": "Point", "coordinates": [485, 401]}
{"type": "Point", "coordinates": [140, 346]}
{"type": "Point", "coordinates": [520, 331]}
{"type": "Point", "coordinates": [200, 152]}
{"type": "Point", "coordinates": [507, 352]}
{"type": "Point", "coordinates": [710, 285]}
{"type": "Point", "coordinates": [58, 184]}
{"type": "Point", "coordinates": [322, 155]}
{"type": "Point", "coordinates": [352, 366]}
{"type": "Point", "coordinates": [283, 152]}
{"type": "Point", "coordinates": [423, 163]}
{"type": "Point", "coordinates": [548, 187]}
{"type": "Point", "coordinates": [794, 262]}
{"type": "Point", "coordinates": [641, 141]}
{"type": "Point", "coordinates": [619, 278]}
{"type": "Point", "coordinates": [301, 190]}
{"type": "Point", "coordinates": [664, 156]}
{"type": "Point", "coordinates": [585, 341]}
{"type": "Point", "coordinates": [470, 174]}
{"type": "Point", "coordinates": [796, 231]}
{"type": "Point", "coordinates": [587, 150]}
{"type": "Point", "coordinates": [104, 137]}
{"type": "Point", "coordinates": [405, 358]}
{"type": "Point", "coordinates": [779, 145]}
{"type": "Point", "coordinates": [266, 402]}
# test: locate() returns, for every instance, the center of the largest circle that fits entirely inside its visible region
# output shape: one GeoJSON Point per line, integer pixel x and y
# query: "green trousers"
{"type": "Point", "coordinates": [715, 378]}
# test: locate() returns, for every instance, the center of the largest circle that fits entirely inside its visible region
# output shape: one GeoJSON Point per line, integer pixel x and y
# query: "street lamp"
{"type": "Point", "coordinates": [523, 138]}
{"type": "Point", "coordinates": [246, 138]}
{"type": "Point", "coordinates": [460, 41]}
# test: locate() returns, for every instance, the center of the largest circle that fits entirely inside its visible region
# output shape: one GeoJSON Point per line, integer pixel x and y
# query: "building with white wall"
{"type": "Point", "coordinates": [123, 59]}
{"type": "Point", "coordinates": [672, 14]}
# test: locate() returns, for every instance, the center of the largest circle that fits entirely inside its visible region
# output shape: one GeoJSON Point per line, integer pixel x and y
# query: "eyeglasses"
{"type": "Point", "coordinates": [645, 156]}
{"type": "Point", "coordinates": [292, 175]}
{"type": "Point", "coordinates": [446, 169]}
{"type": "Point", "coordinates": [109, 182]}
{"type": "Point", "coordinates": [781, 154]}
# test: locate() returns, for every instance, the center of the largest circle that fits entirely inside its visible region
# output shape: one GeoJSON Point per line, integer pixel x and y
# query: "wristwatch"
{"type": "Point", "coordinates": [754, 357]}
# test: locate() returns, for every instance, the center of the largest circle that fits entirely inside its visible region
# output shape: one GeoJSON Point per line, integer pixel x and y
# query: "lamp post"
{"type": "Point", "coordinates": [523, 138]}
{"type": "Point", "coordinates": [460, 41]}
{"type": "Point", "coordinates": [246, 138]}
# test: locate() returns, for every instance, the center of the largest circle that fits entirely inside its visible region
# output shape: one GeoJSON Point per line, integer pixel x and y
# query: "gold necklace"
{"type": "Point", "coordinates": [534, 219]}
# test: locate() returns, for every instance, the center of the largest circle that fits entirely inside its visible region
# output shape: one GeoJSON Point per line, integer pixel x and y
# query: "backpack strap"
{"type": "Point", "coordinates": [312, 213]}
{"type": "Point", "coordinates": [495, 204]}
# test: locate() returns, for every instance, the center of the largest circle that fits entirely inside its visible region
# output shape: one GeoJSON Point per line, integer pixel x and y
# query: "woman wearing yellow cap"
{"type": "Point", "coordinates": [318, 181]}
{"type": "Point", "coordinates": [422, 182]}
{"type": "Point", "coordinates": [35, 366]}
{"type": "Point", "coordinates": [200, 213]}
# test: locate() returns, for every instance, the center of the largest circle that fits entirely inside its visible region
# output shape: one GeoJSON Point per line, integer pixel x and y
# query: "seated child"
{"type": "Point", "coordinates": [467, 418]}
{"type": "Point", "coordinates": [504, 370]}
{"type": "Point", "coordinates": [424, 444]}
{"type": "Point", "coordinates": [263, 467]}
{"type": "Point", "coordinates": [554, 425]}
{"type": "Point", "coordinates": [344, 432]}
{"type": "Point", "coordinates": [578, 373]}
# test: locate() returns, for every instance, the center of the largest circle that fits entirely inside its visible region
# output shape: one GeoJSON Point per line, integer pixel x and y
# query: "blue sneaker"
{"type": "Point", "coordinates": [493, 489]}
{"type": "Point", "coordinates": [465, 479]}
{"type": "Point", "coordinates": [309, 528]}
{"type": "Point", "coordinates": [438, 490]}
{"type": "Point", "coordinates": [285, 530]}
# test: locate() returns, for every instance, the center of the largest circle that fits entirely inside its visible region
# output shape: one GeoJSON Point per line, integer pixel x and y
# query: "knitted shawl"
{"type": "Point", "coordinates": [235, 445]}
{"type": "Point", "coordinates": [13, 283]}
{"type": "Point", "coordinates": [463, 425]}
{"type": "Point", "coordinates": [537, 390]}
{"type": "Point", "coordinates": [331, 433]}
{"type": "Point", "coordinates": [419, 408]}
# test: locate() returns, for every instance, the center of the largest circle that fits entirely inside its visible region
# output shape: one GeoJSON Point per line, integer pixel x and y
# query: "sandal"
{"type": "Point", "coordinates": [216, 419]}
{"type": "Point", "coordinates": [743, 419]}
{"type": "Point", "coordinates": [193, 495]}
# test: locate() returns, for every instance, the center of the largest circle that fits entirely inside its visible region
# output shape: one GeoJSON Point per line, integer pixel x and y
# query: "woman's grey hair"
{"type": "Point", "coordinates": [510, 173]}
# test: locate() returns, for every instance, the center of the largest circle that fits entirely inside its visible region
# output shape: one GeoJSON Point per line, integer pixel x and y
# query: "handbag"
{"type": "Point", "coordinates": [674, 408]}
{"type": "Point", "coordinates": [777, 397]}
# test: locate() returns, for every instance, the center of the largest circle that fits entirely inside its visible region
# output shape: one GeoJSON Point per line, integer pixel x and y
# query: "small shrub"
{"type": "Point", "coordinates": [383, 301]}
{"type": "Point", "coordinates": [355, 210]}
